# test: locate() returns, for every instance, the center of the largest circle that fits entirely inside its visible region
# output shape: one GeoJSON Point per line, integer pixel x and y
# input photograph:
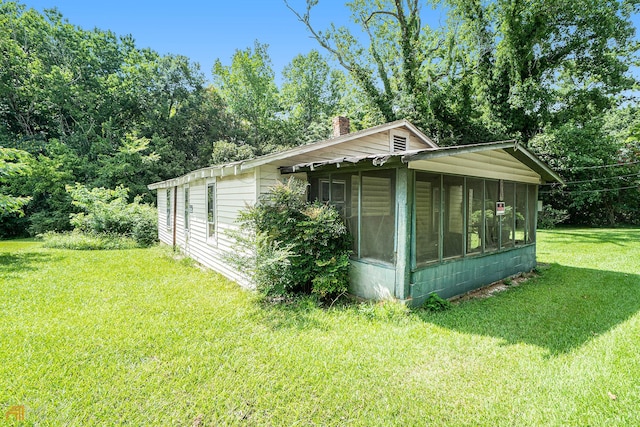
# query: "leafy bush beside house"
{"type": "Point", "coordinates": [106, 215]}
{"type": "Point", "coordinates": [291, 246]}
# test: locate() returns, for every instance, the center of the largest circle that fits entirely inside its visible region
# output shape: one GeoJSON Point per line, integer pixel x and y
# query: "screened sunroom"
{"type": "Point", "coordinates": [442, 221]}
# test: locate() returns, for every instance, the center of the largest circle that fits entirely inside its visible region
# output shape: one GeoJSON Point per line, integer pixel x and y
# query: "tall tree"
{"type": "Point", "coordinates": [539, 62]}
{"type": "Point", "coordinates": [309, 95]}
{"type": "Point", "coordinates": [401, 66]}
{"type": "Point", "coordinates": [248, 89]}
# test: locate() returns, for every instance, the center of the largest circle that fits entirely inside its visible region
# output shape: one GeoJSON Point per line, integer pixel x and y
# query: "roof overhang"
{"type": "Point", "coordinates": [244, 166]}
{"type": "Point", "coordinates": [511, 147]}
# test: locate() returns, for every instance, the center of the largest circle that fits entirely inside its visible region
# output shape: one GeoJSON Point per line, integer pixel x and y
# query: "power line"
{"type": "Point", "coordinates": [601, 190]}
{"type": "Point", "coordinates": [605, 166]}
{"type": "Point", "coordinates": [596, 179]}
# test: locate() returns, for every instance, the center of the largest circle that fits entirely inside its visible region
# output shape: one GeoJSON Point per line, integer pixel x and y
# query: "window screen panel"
{"type": "Point", "coordinates": [475, 215]}
{"type": "Point", "coordinates": [378, 223]}
{"type": "Point", "coordinates": [427, 217]}
{"type": "Point", "coordinates": [453, 222]}
{"type": "Point", "coordinates": [491, 225]}
{"type": "Point", "coordinates": [507, 221]}
{"type": "Point", "coordinates": [521, 214]}
{"type": "Point", "coordinates": [532, 207]}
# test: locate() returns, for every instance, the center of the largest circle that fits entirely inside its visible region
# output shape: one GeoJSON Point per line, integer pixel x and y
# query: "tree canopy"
{"type": "Point", "coordinates": [90, 107]}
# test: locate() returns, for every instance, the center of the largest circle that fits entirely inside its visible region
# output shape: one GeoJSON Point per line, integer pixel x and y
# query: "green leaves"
{"type": "Point", "coordinates": [292, 246]}
{"type": "Point", "coordinates": [12, 163]}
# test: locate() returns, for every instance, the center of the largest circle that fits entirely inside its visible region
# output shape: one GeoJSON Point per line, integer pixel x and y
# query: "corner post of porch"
{"type": "Point", "coordinates": [404, 196]}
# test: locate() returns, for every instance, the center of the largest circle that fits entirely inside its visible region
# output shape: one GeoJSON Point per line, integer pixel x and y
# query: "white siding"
{"type": "Point", "coordinates": [165, 234]}
{"type": "Point", "coordinates": [233, 193]}
{"type": "Point", "coordinates": [496, 164]}
{"type": "Point", "coordinates": [269, 175]}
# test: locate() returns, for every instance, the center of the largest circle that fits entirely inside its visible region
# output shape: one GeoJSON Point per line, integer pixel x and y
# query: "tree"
{"type": "Point", "coordinates": [90, 107]}
{"type": "Point", "coordinates": [497, 69]}
{"type": "Point", "coordinates": [400, 68]}
{"type": "Point", "coordinates": [248, 89]}
{"type": "Point", "coordinates": [308, 95]}
{"type": "Point", "coordinates": [533, 63]}
{"type": "Point", "coordinates": [12, 163]}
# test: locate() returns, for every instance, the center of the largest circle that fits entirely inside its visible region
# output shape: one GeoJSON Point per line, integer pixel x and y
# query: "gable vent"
{"type": "Point", "coordinates": [399, 143]}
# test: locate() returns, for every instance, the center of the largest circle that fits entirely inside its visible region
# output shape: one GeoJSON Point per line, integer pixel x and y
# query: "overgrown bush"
{"type": "Point", "coordinates": [107, 212]}
{"type": "Point", "coordinates": [550, 217]}
{"type": "Point", "coordinates": [291, 246]}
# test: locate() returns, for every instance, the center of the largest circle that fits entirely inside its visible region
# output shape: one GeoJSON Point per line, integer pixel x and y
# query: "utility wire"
{"type": "Point", "coordinates": [595, 179]}
{"type": "Point", "coordinates": [606, 166]}
{"type": "Point", "coordinates": [601, 190]}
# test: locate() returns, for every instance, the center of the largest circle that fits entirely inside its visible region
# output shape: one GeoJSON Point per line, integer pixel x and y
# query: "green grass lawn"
{"type": "Point", "coordinates": [135, 337]}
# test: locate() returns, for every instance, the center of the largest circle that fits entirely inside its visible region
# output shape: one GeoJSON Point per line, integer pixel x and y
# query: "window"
{"type": "Point", "coordinates": [378, 215]}
{"type": "Point", "coordinates": [211, 210]}
{"type": "Point", "coordinates": [186, 208]}
{"type": "Point", "coordinates": [367, 203]}
{"type": "Point", "coordinates": [341, 191]}
{"type": "Point", "coordinates": [427, 217]}
{"type": "Point", "coordinates": [475, 215]}
{"type": "Point", "coordinates": [168, 206]}
{"type": "Point", "coordinates": [453, 214]}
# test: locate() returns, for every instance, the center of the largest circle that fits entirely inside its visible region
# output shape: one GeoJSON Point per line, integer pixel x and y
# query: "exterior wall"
{"type": "Point", "coordinates": [462, 275]}
{"type": "Point", "coordinates": [233, 193]}
{"type": "Point", "coordinates": [164, 233]}
{"type": "Point", "coordinates": [372, 281]}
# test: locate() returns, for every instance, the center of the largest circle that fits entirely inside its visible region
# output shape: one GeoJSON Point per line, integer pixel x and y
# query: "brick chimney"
{"type": "Point", "coordinates": [340, 126]}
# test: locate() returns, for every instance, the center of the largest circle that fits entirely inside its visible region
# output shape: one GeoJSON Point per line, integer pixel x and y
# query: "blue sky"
{"type": "Point", "coordinates": [207, 30]}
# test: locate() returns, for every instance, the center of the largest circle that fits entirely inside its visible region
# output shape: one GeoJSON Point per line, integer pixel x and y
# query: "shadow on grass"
{"type": "Point", "coordinates": [11, 264]}
{"type": "Point", "coordinates": [562, 310]}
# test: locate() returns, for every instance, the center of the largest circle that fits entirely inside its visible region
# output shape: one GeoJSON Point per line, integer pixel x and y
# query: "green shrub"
{"type": "Point", "coordinates": [290, 246]}
{"type": "Point", "coordinates": [550, 217]}
{"type": "Point", "coordinates": [436, 303]}
{"type": "Point", "coordinates": [107, 212]}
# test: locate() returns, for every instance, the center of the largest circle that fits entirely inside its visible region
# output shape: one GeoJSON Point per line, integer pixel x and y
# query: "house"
{"type": "Point", "coordinates": [425, 219]}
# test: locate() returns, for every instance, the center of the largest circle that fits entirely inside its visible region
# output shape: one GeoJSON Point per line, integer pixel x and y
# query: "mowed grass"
{"type": "Point", "coordinates": [137, 337]}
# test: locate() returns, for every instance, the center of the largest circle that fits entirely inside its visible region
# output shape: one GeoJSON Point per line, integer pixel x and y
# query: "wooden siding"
{"type": "Point", "coordinates": [233, 193]}
{"type": "Point", "coordinates": [496, 164]}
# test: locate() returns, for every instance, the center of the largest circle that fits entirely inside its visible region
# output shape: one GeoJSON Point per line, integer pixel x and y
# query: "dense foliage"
{"type": "Point", "coordinates": [89, 106]}
{"type": "Point", "coordinates": [292, 246]}
{"type": "Point", "coordinates": [12, 163]}
{"type": "Point", "coordinates": [106, 215]}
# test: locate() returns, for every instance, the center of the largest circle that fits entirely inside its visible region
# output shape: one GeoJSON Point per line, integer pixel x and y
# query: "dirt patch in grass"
{"type": "Point", "coordinates": [499, 286]}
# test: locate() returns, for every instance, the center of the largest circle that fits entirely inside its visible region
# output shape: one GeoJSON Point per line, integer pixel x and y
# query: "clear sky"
{"type": "Point", "coordinates": [206, 30]}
